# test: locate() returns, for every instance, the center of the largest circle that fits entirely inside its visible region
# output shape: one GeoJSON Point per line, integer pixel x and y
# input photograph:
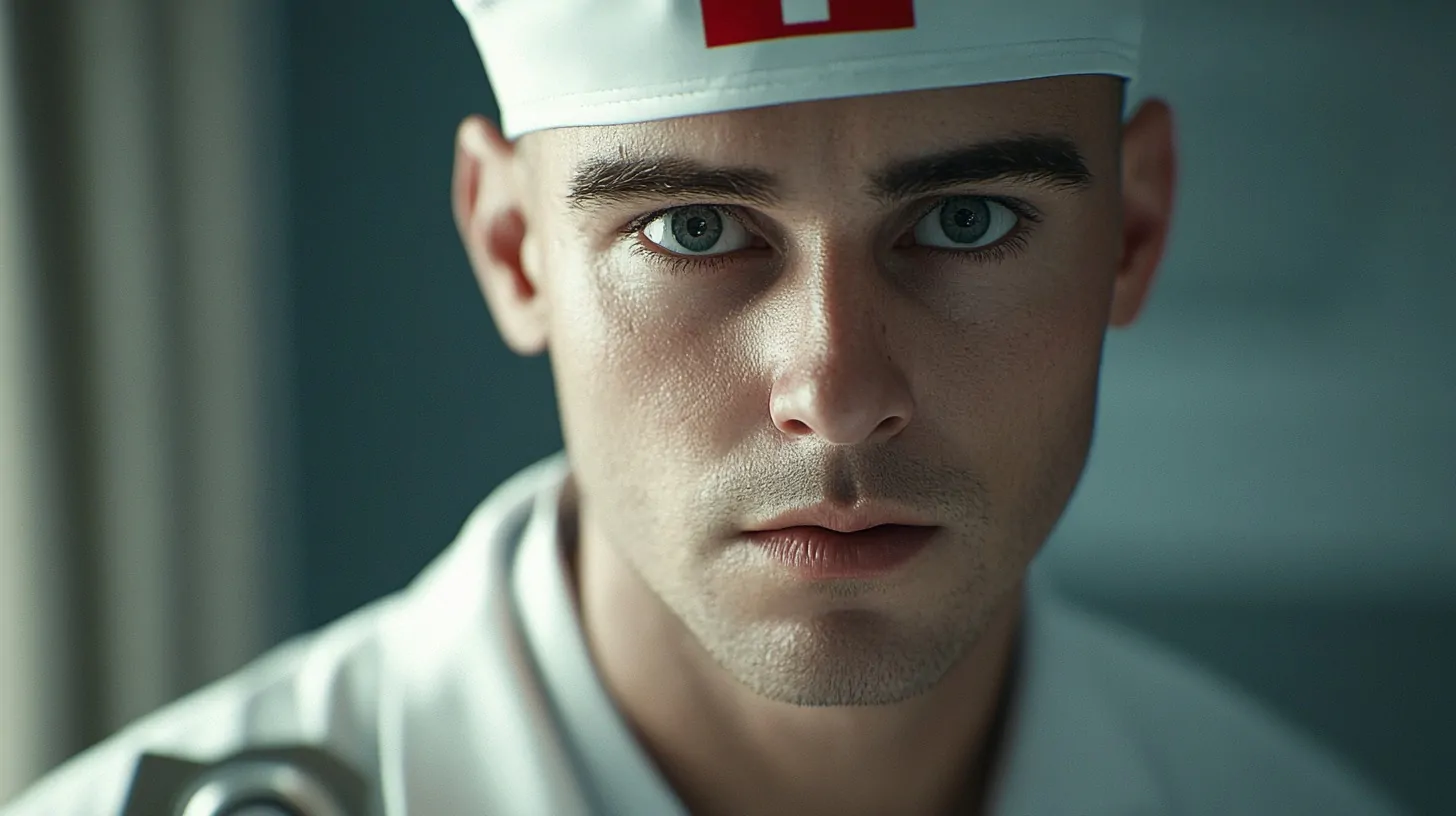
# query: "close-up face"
{"type": "Point", "coordinates": [886, 308]}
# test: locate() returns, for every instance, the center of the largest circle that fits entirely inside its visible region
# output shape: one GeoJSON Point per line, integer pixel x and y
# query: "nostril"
{"type": "Point", "coordinates": [890, 426]}
{"type": "Point", "coordinates": [795, 427]}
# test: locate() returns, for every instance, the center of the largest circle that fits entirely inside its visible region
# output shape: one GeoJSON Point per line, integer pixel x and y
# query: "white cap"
{"type": "Point", "coordinates": [561, 63]}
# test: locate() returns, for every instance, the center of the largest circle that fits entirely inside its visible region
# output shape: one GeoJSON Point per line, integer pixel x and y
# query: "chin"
{"type": "Point", "coordinates": [842, 658]}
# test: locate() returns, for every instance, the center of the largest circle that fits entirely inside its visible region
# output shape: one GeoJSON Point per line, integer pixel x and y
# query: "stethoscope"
{"type": "Point", "coordinates": [261, 789]}
{"type": "Point", "coordinates": [293, 781]}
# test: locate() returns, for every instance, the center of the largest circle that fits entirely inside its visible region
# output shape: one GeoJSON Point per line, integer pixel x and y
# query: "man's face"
{"type": "Point", "coordinates": [846, 325]}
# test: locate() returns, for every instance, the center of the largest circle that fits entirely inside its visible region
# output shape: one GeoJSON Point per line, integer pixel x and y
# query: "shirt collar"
{"type": "Point", "coordinates": [464, 724]}
{"type": "Point", "coordinates": [619, 775]}
{"type": "Point", "coordinates": [1068, 747]}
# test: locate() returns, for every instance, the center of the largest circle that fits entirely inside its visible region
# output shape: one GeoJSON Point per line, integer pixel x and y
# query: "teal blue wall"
{"type": "Point", "coordinates": [408, 407]}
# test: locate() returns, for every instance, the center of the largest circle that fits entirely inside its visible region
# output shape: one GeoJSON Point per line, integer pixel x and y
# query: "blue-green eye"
{"type": "Point", "coordinates": [965, 222]}
{"type": "Point", "coordinates": [697, 230]}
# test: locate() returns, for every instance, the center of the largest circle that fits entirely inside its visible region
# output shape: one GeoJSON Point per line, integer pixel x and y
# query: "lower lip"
{"type": "Point", "coordinates": [820, 553]}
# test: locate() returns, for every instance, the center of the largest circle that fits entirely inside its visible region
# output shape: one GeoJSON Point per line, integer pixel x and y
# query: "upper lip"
{"type": "Point", "coordinates": [840, 518]}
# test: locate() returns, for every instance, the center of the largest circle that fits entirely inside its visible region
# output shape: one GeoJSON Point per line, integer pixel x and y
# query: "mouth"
{"type": "Point", "coordinates": [818, 552]}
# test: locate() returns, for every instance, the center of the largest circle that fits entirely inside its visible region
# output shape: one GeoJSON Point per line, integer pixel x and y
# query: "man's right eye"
{"type": "Point", "coordinates": [697, 230]}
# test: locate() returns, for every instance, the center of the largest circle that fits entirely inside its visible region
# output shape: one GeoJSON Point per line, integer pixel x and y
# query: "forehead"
{"type": "Point", "coordinates": [810, 139]}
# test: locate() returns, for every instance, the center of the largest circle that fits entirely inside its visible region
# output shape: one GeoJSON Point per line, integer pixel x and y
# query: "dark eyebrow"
{"type": "Point", "coordinates": [1053, 161]}
{"type": "Point", "coordinates": [1048, 160]}
{"type": "Point", "coordinates": [604, 181]}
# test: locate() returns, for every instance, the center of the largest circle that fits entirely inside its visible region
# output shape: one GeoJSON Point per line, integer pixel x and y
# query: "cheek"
{"type": "Point", "coordinates": [1034, 392]}
{"type": "Point", "coordinates": [649, 377]}
{"type": "Point", "coordinates": [1013, 388]}
{"type": "Point", "coordinates": [1052, 336]}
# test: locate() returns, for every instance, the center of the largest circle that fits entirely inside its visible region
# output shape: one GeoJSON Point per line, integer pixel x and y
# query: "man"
{"type": "Point", "coordinates": [824, 287]}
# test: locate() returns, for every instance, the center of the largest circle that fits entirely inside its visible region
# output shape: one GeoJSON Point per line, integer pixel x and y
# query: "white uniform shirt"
{"type": "Point", "coordinates": [472, 692]}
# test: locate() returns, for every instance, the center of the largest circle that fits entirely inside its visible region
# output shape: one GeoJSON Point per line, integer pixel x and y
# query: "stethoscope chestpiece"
{"type": "Point", "coordinates": [292, 781]}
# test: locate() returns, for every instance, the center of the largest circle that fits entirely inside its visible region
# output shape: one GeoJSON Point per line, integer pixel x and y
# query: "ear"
{"type": "Point", "coordinates": [491, 218]}
{"type": "Point", "coordinates": [1149, 178]}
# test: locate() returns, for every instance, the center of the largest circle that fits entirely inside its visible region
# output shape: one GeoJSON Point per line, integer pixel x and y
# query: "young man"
{"type": "Point", "coordinates": [824, 287]}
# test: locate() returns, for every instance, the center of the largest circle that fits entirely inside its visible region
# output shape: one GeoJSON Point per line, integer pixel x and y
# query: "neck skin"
{"type": "Point", "coordinates": [726, 750]}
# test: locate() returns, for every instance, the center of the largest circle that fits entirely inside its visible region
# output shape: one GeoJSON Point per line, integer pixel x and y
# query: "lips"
{"type": "Point", "coordinates": [817, 552]}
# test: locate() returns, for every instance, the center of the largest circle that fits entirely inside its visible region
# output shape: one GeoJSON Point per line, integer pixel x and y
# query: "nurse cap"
{"type": "Point", "coordinates": [562, 63]}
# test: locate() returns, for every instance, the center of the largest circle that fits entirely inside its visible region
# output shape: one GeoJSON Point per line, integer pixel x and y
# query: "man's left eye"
{"type": "Point", "coordinates": [965, 222]}
{"type": "Point", "coordinates": [697, 230]}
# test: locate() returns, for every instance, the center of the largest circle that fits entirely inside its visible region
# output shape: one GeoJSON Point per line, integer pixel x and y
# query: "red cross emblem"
{"type": "Point", "coordinates": [731, 22]}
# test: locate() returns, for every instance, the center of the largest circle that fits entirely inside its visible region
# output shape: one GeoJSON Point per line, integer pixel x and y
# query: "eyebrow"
{"type": "Point", "coordinates": [1050, 161]}
{"type": "Point", "coordinates": [1047, 160]}
{"type": "Point", "coordinates": [611, 181]}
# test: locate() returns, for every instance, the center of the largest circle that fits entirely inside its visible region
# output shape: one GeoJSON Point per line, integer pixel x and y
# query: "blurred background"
{"type": "Point", "coordinates": [247, 383]}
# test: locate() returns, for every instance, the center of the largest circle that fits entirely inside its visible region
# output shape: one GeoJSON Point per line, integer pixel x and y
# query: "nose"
{"type": "Point", "coordinates": [838, 379]}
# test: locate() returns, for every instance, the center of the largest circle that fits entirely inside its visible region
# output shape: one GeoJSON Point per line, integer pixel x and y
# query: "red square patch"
{"type": "Point", "coordinates": [732, 22]}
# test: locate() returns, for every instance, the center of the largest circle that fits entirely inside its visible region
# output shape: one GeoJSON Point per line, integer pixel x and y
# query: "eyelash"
{"type": "Point", "coordinates": [1014, 241]}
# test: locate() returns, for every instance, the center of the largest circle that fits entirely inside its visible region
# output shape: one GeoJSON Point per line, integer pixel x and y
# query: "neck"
{"type": "Point", "coordinates": [728, 750]}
